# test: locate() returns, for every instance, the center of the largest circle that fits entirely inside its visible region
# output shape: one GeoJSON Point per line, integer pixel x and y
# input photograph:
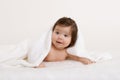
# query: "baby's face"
{"type": "Point", "coordinates": [61, 37]}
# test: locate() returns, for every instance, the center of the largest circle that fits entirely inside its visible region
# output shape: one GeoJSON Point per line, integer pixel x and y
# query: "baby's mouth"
{"type": "Point", "coordinates": [59, 42]}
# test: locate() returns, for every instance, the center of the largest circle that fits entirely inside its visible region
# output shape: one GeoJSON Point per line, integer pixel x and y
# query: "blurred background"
{"type": "Point", "coordinates": [99, 20]}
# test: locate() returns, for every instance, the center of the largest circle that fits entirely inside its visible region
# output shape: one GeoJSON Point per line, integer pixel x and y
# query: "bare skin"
{"type": "Point", "coordinates": [61, 38]}
{"type": "Point", "coordinates": [61, 55]}
{"type": "Point", "coordinates": [57, 55]}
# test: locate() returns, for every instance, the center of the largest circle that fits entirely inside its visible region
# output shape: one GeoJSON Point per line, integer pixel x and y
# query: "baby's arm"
{"type": "Point", "coordinates": [81, 59]}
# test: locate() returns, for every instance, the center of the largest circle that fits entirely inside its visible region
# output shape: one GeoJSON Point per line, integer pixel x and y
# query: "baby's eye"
{"type": "Point", "coordinates": [57, 32]}
{"type": "Point", "coordinates": [66, 35]}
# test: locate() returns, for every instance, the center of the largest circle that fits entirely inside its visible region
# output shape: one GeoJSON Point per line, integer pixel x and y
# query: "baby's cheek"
{"type": "Point", "coordinates": [68, 42]}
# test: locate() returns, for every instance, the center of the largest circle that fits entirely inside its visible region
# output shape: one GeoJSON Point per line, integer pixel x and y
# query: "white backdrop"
{"type": "Point", "coordinates": [99, 20]}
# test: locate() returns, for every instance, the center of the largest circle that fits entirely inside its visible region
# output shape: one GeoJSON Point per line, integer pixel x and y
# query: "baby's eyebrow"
{"type": "Point", "coordinates": [69, 34]}
{"type": "Point", "coordinates": [57, 29]}
{"type": "Point", "coordinates": [64, 32]}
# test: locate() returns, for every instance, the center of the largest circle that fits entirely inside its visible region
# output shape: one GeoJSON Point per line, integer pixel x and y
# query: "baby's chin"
{"type": "Point", "coordinates": [59, 47]}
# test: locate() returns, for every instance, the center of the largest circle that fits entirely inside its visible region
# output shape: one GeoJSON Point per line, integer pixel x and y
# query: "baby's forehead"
{"type": "Point", "coordinates": [63, 29]}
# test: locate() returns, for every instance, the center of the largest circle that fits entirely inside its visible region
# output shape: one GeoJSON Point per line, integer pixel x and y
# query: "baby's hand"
{"type": "Point", "coordinates": [40, 66]}
{"type": "Point", "coordinates": [86, 61]}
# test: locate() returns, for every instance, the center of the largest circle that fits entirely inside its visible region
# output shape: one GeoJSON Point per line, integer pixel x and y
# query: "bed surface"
{"type": "Point", "coordinates": [65, 70]}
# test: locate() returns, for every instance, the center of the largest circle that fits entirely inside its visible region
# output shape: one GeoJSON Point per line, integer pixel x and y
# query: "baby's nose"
{"type": "Point", "coordinates": [61, 36]}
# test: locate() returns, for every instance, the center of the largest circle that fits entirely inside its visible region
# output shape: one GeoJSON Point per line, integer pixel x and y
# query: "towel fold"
{"type": "Point", "coordinates": [37, 52]}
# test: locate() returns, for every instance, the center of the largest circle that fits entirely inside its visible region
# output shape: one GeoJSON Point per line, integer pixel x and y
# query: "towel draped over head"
{"type": "Point", "coordinates": [37, 52]}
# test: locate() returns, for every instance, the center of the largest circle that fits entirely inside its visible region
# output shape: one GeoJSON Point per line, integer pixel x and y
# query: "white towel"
{"type": "Point", "coordinates": [42, 47]}
{"type": "Point", "coordinates": [37, 52]}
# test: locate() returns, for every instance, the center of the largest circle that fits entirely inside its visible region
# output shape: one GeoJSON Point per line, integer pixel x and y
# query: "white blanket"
{"type": "Point", "coordinates": [39, 50]}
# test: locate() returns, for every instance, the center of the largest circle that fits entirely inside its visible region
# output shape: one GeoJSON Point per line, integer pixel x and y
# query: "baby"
{"type": "Point", "coordinates": [64, 35]}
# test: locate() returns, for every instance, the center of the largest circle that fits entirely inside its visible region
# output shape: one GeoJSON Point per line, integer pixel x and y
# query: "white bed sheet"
{"type": "Point", "coordinates": [65, 70]}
